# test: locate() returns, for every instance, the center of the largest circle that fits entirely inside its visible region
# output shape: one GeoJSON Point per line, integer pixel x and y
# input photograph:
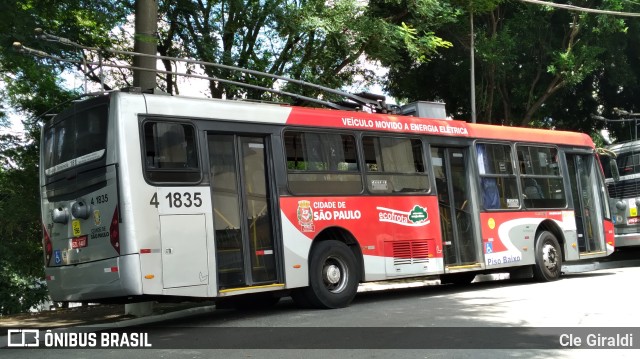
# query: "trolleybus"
{"type": "Point", "coordinates": [623, 183]}
{"type": "Point", "coordinates": [149, 196]}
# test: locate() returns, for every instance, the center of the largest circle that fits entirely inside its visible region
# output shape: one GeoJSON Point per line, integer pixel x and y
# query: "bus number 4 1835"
{"type": "Point", "coordinates": [179, 200]}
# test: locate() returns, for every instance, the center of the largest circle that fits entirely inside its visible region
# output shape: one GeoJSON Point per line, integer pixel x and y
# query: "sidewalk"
{"type": "Point", "coordinates": [104, 315]}
{"type": "Point", "coordinates": [98, 317]}
{"type": "Point", "coordinates": [114, 314]}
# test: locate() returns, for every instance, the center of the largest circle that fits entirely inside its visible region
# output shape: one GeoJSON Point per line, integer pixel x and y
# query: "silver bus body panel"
{"type": "Point", "coordinates": [626, 232]}
{"type": "Point", "coordinates": [179, 260]}
{"type": "Point", "coordinates": [142, 223]}
{"type": "Point", "coordinates": [96, 280]}
{"type": "Point", "coordinates": [93, 230]}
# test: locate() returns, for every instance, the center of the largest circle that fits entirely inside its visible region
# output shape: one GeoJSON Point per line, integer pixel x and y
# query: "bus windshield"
{"type": "Point", "coordinates": [77, 138]}
{"type": "Point", "coordinates": [628, 163]}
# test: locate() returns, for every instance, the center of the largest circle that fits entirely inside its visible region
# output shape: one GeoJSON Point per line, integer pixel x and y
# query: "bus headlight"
{"type": "Point", "coordinates": [620, 205]}
{"type": "Point", "coordinates": [60, 215]}
{"type": "Point", "coordinates": [81, 209]}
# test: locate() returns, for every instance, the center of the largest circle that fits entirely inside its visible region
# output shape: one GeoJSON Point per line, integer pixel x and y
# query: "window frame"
{"type": "Point", "coordinates": [319, 172]}
{"type": "Point", "coordinates": [168, 172]}
{"type": "Point", "coordinates": [522, 176]}
{"type": "Point", "coordinates": [425, 165]}
{"type": "Point", "coordinates": [53, 166]}
{"type": "Point", "coordinates": [513, 175]}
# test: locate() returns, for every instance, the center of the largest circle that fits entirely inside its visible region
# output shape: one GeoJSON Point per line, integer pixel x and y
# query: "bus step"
{"type": "Point", "coordinates": [579, 268]}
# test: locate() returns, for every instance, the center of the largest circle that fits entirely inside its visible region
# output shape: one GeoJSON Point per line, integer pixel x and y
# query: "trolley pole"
{"type": "Point", "coordinates": [145, 42]}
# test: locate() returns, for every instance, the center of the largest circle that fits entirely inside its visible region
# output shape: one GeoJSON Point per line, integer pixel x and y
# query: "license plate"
{"type": "Point", "coordinates": [79, 242]}
{"type": "Point", "coordinates": [75, 225]}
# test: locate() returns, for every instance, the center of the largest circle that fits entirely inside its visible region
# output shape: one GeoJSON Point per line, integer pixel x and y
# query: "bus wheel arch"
{"type": "Point", "coordinates": [549, 252]}
{"type": "Point", "coordinates": [335, 271]}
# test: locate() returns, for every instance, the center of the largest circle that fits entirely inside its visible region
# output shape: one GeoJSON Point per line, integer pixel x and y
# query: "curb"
{"type": "Point", "coordinates": [4, 340]}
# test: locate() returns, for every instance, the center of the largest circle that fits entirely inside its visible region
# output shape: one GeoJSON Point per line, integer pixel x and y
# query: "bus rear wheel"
{"type": "Point", "coordinates": [548, 258]}
{"type": "Point", "coordinates": [333, 277]}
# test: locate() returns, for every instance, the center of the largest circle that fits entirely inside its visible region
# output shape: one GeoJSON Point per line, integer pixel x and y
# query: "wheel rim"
{"type": "Point", "coordinates": [335, 274]}
{"type": "Point", "coordinates": [550, 257]}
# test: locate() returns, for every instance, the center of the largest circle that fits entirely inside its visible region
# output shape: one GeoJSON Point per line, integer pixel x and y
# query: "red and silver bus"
{"type": "Point", "coordinates": [145, 196]}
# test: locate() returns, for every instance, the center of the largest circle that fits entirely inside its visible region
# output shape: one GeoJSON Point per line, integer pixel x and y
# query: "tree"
{"type": "Point", "coordinates": [31, 88]}
{"type": "Point", "coordinates": [311, 40]}
{"type": "Point", "coordinates": [525, 54]}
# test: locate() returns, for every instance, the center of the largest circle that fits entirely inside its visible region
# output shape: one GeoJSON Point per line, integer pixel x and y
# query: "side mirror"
{"type": "Point", "coordinates": [613, 166]}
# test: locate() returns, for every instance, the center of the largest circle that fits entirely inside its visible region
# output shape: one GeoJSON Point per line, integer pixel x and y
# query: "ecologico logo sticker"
{"type": "Point", "coordinates": [416, 217]}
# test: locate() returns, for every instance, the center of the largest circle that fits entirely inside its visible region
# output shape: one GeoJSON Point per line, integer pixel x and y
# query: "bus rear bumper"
{"type": "Point", "coordinates": [627, 240]}
{"type": "Point", "coordinates": [108, 278]}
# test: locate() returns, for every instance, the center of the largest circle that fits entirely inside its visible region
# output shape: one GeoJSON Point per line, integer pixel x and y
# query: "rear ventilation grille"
{"type": "Point", "coordinates": [410, 252]}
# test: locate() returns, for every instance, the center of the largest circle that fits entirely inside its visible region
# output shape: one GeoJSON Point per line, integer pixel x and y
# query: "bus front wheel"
{"type": "Point", "coordinates": [548, 258]}
{"type": "Point", "coordinates": [333, 277]}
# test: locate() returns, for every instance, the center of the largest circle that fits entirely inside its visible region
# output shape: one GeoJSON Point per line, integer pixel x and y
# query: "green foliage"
{"type": "Point", "coordinates": [313, 40]}
{"type": "Point", "coordinates": [530, 61]}
{"type": "Point", "coordinates": [419, 47]}
{"type": "Point", "coordinates": [30, 87]}
{"type": "Point", "coordinates": [21, 263]}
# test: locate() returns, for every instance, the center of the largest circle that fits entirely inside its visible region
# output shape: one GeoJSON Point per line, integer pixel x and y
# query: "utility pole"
{"type": "Point", "coordinates": [145, 42]}
{"type": "Point", "coordinates": [473, 70]}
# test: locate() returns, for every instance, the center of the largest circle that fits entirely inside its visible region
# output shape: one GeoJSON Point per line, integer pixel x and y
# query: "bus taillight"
{"type": "Point", "coordinates": [114, 231]}
{"type": "Point", "coordinates": [48, 247]}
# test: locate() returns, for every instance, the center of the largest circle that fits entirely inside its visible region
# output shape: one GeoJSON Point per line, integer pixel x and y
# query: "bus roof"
{"type": "Point", "coordinates": [623, 147]}
{"type": "Point", "coordinates": [328, 118]}
{"type": "Point", "coordinates": [407, 124]}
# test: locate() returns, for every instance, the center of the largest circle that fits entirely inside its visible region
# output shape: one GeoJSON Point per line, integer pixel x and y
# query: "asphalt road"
{"type": "Point", "coordinates": [491, 319]}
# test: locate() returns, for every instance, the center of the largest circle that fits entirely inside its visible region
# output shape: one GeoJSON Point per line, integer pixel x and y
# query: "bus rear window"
{"type": "Point", "coordinates": [76, 139]}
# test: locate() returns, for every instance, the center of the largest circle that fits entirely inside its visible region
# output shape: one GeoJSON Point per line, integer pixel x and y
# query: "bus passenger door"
{"type": "Point", "coordinates": [241, 195]}
{"type": "Point", "coordinates": [586, 202]}
{"type": "Point", "coordinates": [450, 166]}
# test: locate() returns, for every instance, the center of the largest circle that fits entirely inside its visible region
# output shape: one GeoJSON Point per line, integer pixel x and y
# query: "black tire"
{"type": "Point", "coordinates": [333, 277]}
{"type": "Point", "coordinates": [548, 265]}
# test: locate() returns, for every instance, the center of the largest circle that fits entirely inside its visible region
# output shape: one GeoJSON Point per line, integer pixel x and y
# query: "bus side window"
{"type": "Point", "coordinates": [170, 152]}
{"type": "Point", "coordinates": [394, 165]}
{"type": "Point", "coordinates": [497, 177]}
{"type": "Point", "coordinates": [322, 163]}
{"type": "Point", "coordinates": [540, 177]}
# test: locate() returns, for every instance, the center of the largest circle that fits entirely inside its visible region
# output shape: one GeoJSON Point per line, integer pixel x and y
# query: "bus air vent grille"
{"type": "Point", "coordinates": [410, 252]}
